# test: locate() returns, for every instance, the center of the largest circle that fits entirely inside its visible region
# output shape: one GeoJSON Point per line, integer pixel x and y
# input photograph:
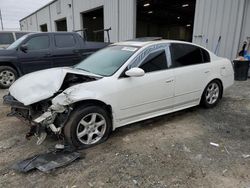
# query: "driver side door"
{"type": "Point", "coordinates": [38, 54]}
{"type": "Point", "coordinates": [147, 96]}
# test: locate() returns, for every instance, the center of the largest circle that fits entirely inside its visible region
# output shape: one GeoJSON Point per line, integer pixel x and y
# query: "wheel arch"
{"type": "Point", "coordinates": [96, 102]}
{"type": "Point", "coordinates": [220, 82]}
{"type": "Point", "coordinates": [9, 64]}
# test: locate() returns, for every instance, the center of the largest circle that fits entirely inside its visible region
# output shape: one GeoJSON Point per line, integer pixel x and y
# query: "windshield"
{"type": "Point", "coordinates": [17, 42]}
{"type": "Point", "coordinates": [107, 61]}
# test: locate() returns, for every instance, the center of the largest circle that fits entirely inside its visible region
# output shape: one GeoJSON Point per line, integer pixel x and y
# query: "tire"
{"type": "Point", "coordinates": [212, 94]}
{"type": "Point", "coordinates": [80, 127]}
{"type": "Point", "coordinates": [8, 76]}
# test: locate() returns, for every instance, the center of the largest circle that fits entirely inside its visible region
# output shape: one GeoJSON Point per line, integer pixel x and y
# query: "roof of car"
{"type": "Point", "coordinates": [138, 43]}
{"type": "Point", "coordinates": [16, 31]}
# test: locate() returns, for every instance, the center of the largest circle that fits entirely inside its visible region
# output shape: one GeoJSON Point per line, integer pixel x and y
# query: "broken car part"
{"type": "Point", "coordinates": [47, 162]}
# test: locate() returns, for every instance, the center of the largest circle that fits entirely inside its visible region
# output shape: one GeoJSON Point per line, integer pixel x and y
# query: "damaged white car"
{"type": "Point", "coordinates": [124, 83]}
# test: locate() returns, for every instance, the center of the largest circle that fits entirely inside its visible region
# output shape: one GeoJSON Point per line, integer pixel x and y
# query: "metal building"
{"type": "Point", "coordinates": [219, 25]}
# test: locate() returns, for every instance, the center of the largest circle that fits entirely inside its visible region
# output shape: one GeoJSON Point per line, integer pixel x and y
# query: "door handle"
{"type": "Point", "coordinates": [47, 54]}
{"type": "Point", "coordinates": [76, 51]}
{"type": "Point", "coordinates": [206, 72]}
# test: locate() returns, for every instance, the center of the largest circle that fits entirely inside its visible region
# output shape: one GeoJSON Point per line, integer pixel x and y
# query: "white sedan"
{"type": "Point", "coordinates": [124, 83]}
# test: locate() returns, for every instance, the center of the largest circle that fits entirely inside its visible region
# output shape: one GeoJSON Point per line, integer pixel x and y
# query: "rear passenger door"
{"type": "Point", "coordinates": [66, 50]}
{"type": "Point", "coordinates": [191, 68]}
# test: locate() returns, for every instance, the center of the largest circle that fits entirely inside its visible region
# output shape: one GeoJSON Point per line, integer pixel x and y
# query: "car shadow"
{"type": "Point", "coordinates": [152, 123]}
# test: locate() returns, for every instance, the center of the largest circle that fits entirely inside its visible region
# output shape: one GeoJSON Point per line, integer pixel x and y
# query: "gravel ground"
{"type": "Point", "coordinates": [168, 151]}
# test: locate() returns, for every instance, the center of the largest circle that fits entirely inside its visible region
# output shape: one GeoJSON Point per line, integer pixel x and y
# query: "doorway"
{"type": "Point", "coordinates": [44, 28]}
{"type": "Point", "coordinates": [169, 19]}
{"type": "Point", "coordinates": [92, 21]}
{"type": "Point", "coordinates": [61, 25]}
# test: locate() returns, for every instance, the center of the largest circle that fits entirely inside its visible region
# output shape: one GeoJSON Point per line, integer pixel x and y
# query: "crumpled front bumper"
{"type": "Point", "coordinates": [40, 121]}
{"type": "Point", "coordinates": [18, 109]}
{"type": "Point", "coordinates": [11, 101]}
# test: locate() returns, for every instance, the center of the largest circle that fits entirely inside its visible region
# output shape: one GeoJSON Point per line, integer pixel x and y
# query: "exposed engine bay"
{"type": "Point", "coordinates": [44, 117]}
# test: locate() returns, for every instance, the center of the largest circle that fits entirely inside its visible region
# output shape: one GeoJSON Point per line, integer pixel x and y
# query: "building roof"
{"type": "Point", "coordinates": [51, 2]}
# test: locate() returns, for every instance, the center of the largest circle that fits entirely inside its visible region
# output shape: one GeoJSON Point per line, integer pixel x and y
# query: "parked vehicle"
{"type": "Point", "coordinates": [8, 37]}
{"type": "Point", "coordinates": [124, 83]}
{"type": "Point", "coordinates": [37, 51]}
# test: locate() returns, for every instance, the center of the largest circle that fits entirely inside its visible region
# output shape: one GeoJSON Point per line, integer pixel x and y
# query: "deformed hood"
{"type": "Point", "coordinates": [41, 85]}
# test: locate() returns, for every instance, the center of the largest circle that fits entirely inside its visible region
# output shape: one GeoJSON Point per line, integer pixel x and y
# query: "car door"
{"type": "Point", "coordinates": [149, 95]}
{"type": "Point", "coordinates": [37, 55]}
{"type": "Point", "coordinates": [66, 50]}
{"type": "Point", "coordinates": [191, 70]}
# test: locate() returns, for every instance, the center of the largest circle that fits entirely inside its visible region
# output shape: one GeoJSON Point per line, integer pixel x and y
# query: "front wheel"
{"type": "Point", "coordinates": [87, 126]}
{"type": "Point", "coordinates": [8, 76]}
{"type": "Point", "coordinates": [212, 94]}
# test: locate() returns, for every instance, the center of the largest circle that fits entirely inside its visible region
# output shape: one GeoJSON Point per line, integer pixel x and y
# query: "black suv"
{"type": "Point", "coordinates": [37, 51]}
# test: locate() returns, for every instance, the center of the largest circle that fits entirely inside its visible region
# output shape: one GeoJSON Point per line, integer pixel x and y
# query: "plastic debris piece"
{"type": "Point", "coordinates": [135, 182]}
{"type": "Point", "coordinates": [224, 171]}
{"type": "Point", "coordinates": [245, 156]}
{"type": "Point", "coordinates": [214, 144]}
{"type": "Point", "coordinates": [59, 146]}
{"type": "Point", "coordinates": [226, 150]}
{"type": "Point", "coordinates": [41, 138]}
{"type": "Point", "coordinates": [46, 162]}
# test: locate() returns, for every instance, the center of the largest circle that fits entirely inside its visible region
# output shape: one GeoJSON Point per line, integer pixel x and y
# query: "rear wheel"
{"type": "Point", "coordinates": [8, 76]}
{"type": "Point", "coordinates": [212, 94]}
{"type": "Point", "coordinates": [87, 126]}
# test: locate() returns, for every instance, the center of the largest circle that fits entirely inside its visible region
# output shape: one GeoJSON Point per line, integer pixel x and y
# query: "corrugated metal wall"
{"type": "Point", "coordinates": [245, 33]}
{"type": "Point", "coordinates": [111, 19]}
{"type": "Point", "coordinates": [127, 19]}
{"type": "Point", "coordinates": [118, 14]}
{"type": "Point", "coordinates": [215, 18]}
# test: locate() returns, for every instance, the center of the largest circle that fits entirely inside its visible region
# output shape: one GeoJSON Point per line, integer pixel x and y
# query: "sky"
{"type": "Point", "coordinates": [14, 10]}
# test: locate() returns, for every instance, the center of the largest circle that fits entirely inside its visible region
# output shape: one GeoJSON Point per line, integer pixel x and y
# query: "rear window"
{"type": "Point", "coordinates": [6, 38]}
{"type": "Point", "coordinates": [65, 41]}
{"type": "Point", "coordinates": [206, 56]}
{"type": "Point", "coordinates": [185, 54]}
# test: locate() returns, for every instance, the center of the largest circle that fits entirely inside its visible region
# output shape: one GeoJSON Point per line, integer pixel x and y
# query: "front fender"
{"type": "Point", "coordinates": [80, 93]}
{"type": "Point", "coordinates": [10, 62]}
{"type": "Point", "coordinates": [75, 94]}
{"type": "Point", "coordinates": [7, 59]}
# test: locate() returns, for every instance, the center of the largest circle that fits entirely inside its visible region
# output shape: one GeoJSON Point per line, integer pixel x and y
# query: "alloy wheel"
{"type": "Point", "coordinates": [91, 128]}
{"type": "Point", "coordinates": [7, 78]}
{"type": "Point", "coordinates": [212, 93]}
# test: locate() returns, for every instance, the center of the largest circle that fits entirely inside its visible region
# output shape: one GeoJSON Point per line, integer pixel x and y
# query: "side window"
{"type": "Point", "coordinates": [206, 56]}
{"type": "Point", "coordinates": [6, 38]}
{"type": "Point", "coordinates": [185, 54]}
{"type": "Point", "coordinates": [155, 61]}
{"type": "Point", "coordinates": [38, 43]}
{"type": "Point", "coordinates": [64, 41]}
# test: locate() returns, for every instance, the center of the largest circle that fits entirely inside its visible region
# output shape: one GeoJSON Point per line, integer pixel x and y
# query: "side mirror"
{"type": "Point", "coordinates": [24, 47]}
{"type": "Point", "coordinates": [135, 72]}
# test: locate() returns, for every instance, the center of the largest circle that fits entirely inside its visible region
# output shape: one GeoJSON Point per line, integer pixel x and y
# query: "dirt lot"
{"type": "Point", "coordinates": [169, 151]}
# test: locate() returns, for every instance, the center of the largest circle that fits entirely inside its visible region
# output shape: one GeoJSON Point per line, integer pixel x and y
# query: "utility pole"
{"type": "Point", "coordinates": [1, 19]}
